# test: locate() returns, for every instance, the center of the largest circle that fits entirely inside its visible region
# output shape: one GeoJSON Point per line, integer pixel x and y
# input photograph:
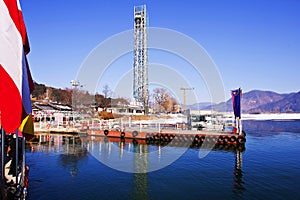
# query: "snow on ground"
{"type": "Point", "coordinates": [171, 120]}
{"type": "Point", "coordinates": [273, 116]}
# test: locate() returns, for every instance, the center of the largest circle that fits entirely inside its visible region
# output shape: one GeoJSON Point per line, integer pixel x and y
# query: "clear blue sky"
{"type": "Point", "coordinates": [255, 44]}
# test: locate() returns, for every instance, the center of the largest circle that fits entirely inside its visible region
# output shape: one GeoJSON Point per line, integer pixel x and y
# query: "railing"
{"type": "Point", "coordinates": [128, 125]}
{"type": "Point", "coordinates": [119, 125]}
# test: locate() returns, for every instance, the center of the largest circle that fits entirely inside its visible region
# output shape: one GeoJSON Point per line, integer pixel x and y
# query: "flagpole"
{"type": "Point", "coordinates": [2, 155]}
{"type": "Point", "coordinates": [239, 112]}
{"type": "Point", "coordinates": [240, 118]}
{"type": "Point", "coordinates": [17, 156]}
{"type": "Point", "coordinates": [24, 156]}
{"type": "Point", "coordinates": [23, 177]}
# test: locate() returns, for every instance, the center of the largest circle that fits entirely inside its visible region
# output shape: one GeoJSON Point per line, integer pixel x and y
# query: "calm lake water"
{"type": "Point", "coordinates": [267, 168]}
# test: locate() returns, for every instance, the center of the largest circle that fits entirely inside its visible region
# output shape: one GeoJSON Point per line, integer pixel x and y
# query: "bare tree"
{"type": "Point", "coordinates": [49, 96]}
{"type": "Point", "coordinates": [66, 96]}
{"type": "Point", "coordinates": [175, 105]}
{"type": "Point", "coordinates": [167, 104]}
{"type": "Point", "coordinates": [106, 91]}
{"type": "Point", "coordinates": [162, 100]}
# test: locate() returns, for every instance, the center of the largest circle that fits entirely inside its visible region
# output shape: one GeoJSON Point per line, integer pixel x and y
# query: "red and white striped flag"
{"type": "Point", "coordinates": [15, 79]}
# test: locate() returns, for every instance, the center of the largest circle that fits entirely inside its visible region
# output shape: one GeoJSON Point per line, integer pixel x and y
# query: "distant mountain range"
{"type": "Point", "coordinates": [198, 106]}
{"type": "Point", "coordinates": [257, 101]}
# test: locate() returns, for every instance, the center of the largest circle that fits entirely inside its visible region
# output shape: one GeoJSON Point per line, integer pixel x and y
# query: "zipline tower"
{"type": "Point", "coordinates": [140, 66]}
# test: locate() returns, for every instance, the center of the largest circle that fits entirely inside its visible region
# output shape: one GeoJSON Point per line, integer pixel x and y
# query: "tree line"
{"type": "Point", "coordinates": [161, 100]}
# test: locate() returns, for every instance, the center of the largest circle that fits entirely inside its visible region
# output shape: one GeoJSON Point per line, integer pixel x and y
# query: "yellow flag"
{"type": "Point", "coordinates": [27, 125]}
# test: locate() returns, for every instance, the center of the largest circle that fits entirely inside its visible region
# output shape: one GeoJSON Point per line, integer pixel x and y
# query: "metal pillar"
{"type": "Point", "coordinates": [140, 67]}
{"type": "Point", "coordinates": [3, 154]}
{"type": "Point", "coordinates": [17, 156]}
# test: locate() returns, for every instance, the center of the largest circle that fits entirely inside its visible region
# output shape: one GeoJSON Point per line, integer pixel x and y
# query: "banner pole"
{"type": "Point", "coordinates": [17, 156]}
{"type": "Point", "coordinates": [23, 162]}
{"type": "Point", "coordinates": [240, 118]}
{"type": "Point", "coordinates": [2, 155]}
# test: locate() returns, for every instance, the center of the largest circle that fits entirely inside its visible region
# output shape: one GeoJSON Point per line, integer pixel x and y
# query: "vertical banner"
{"type": "Point", "coordinates": [236, 102]}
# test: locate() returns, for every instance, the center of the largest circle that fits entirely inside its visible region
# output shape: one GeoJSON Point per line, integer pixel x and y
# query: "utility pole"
{"type": "Point", "coordinates": [184, 97]}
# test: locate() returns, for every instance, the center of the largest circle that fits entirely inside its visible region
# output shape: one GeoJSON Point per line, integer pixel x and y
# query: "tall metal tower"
{"type": "Point", "coordinates": [140, 66]}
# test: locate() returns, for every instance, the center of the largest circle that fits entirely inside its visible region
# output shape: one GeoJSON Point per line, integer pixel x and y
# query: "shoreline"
{"type": "Point", "coordinates": [272, 116]}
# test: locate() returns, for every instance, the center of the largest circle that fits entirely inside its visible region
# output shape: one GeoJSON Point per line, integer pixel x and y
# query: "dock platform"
{"type": "Point", "coordinates": [183, 136]}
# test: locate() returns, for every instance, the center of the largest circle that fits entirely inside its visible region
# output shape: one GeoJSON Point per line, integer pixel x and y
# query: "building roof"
{"type": "Point", "coordinates": [52, 107]}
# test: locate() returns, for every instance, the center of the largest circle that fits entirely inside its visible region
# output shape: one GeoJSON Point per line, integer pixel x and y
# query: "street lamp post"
{"type": "Point", "coordinates": [75, 84]}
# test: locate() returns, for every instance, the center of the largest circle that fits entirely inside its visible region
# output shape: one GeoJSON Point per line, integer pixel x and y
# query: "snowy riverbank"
{"type": "Point", "coordinates": [273, 116]}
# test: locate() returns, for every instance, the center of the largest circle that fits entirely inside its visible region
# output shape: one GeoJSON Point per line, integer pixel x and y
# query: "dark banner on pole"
{"type": "Point", "coordinates": [236, 102]}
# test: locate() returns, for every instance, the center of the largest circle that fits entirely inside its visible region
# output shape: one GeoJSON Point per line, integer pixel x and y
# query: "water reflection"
{"type": "Point", "coordinates": [140, 185]}
{"type": "Point", "coordinates": [70, 148]}
{"type": "Point", "coordinates": [238, 187]}
{"type": "Point", "coordinates": [57, 143]}
{"type": "Point", "coordinates": [120, 154]}
{"type": "Point", "coordinates": [270, 127]}
{"type": "Point", "coordinates": [141, 164]}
